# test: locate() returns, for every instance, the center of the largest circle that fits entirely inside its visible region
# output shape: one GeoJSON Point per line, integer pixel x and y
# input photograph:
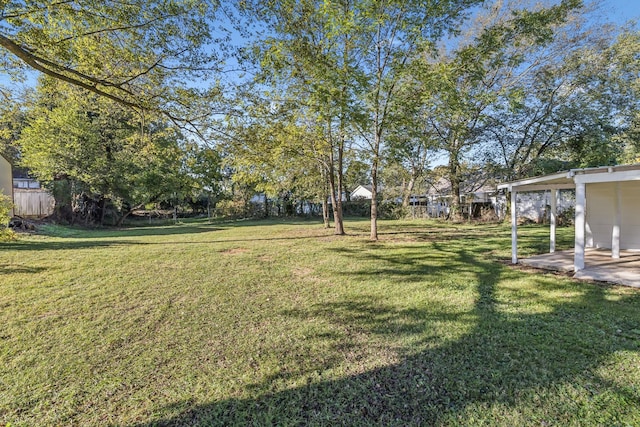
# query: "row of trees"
{"type": "Point", "coordinates": [520, 89]}
{"type": "Point", "coordinates": [295, 96]}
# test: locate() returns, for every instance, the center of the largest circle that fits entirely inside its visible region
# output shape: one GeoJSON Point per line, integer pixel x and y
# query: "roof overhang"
{"type": "Point", "coordinates": [569, 179]}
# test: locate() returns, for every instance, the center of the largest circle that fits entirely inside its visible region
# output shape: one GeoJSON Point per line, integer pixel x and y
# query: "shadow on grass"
{"type": "Point", "coordinates": [97, 243]}
{"type": "Point", "coordinates": [80, 233]}
{"type": "Point", "coordinates": [64, 245]}
{"type": "Point", "coordinates": [205, 224]}
{"type": "Point", "coordinates": [15, 269]}
{"type": "Point", "coordinates": [503, 358]}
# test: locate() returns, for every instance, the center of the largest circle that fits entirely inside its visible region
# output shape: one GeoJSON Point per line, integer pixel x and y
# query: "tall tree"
{"type": "Point", "coordinates": [308, 58]}
{"type": "Point", "coordinates": [392, 33]}
{"type": "Point", "coordinates": [12, 120]}
{"type": "Point", "coordinates": [281, 155]}
{"type": "Point", "coordinates": [411, 144]}
{"type": "Point", "coordinates": [623, 79]}
{"type": "Point", "coordinates": [204, 164]}
{"type": "Point", "coordinates": [570, 107]}
{"type": "Point", "coordinates": [347, 58]}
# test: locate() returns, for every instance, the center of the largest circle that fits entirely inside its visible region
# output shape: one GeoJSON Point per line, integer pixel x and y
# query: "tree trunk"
{"type": "Point", "coordinates": [336, 199]}
{"type": "Point", "coordinates": [374, 199]}
{"type": "Point", "coordinates": [325, 212]}
{"type": "Point", "coordinates": [340, 185]}
{"type": "Point", "coordinates": [325, 197]}
{"type": "Point", "coordinates": [336, 204]}
{"type": "Point", "coordinates": [127, 213]}
{"type": "Point", "coordinates": [103, 210]}
{"type": "Point", "coordinates": [374, 168]}
{"type": "Point", "coordinates": [63, 196]}
{"type": "Point", "coordinates": [454, 179]}
{"type": "Point", "coordinates": [266, 206]}
{"type": "Point", "coordinates": [337, 215]}
{"type": "Point", "coordinates": [407, 192]}
{"type": "Point", "coordinates": [123, 217]}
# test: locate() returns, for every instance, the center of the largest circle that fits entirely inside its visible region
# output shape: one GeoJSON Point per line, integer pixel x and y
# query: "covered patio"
{"type": "Point", "coordinates": [599, 265]}
{"type": "Point", "coordinates": [607, 222]}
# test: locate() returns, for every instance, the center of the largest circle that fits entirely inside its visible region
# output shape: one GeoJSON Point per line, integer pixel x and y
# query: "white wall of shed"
{"type": "Point", "coordinates": [601, 213]}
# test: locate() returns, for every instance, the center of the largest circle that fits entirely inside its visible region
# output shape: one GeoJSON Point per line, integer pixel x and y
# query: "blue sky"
{"type": "Point", "coordinates": [621, 11]}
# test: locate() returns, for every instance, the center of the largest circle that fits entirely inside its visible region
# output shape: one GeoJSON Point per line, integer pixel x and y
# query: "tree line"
{"type": "Point", "coordinates": [142, 102]}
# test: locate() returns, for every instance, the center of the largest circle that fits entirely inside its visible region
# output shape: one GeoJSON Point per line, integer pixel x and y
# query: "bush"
{"type": "Point", "coordinates": [487, 214]}
{"type": "Point", "coordinates": [359, 207]}
{"type": "Point", "coordinates": [391, 210]}
{"type": "Point", "coordinates": [231, 209]}
{"type": "Point", "coordinates": [6, 233]}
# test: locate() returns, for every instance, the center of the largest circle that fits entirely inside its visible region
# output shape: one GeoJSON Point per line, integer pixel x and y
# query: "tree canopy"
{"type": "Point", "coordinates": [142, 54]}
{"type": "Point", "coordinates": [90, 148]}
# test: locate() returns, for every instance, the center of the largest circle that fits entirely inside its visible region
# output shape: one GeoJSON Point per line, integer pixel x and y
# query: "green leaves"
{"type": "Point", "coordinates": [105, 149]}
{"type": "Point", "coordinates": [137, 53]}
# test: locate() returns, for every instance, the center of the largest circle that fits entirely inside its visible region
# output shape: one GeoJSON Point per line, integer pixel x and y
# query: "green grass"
{"type": "Point", "coordinates": [282, 323]}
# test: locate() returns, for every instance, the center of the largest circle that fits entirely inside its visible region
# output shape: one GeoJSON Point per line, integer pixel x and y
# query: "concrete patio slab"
{"type": "Point", "coordinates": [599, 265]}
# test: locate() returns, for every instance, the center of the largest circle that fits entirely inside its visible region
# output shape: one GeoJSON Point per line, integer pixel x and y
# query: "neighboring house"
{"type": "Point", "coordinates": [535, 206]}
{"type": "Point", "coordinates": [361, 192]}
{"type": "Point", "coordinates": [344, 198]}
{"type": "Point", "coordinates": [6, 174]}
{"type": "Point", "coordinates": [475, 194]}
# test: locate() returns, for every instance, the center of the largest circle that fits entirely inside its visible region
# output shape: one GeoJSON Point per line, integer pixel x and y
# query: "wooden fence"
{"type": "Point", "coordinates": [32, 203]}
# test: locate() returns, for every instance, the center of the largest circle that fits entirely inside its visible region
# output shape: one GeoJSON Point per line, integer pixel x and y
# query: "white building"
{"type": "Point", "coordinates": [361, 192]}
{"type": "Point", "coordinates": [606, 208]}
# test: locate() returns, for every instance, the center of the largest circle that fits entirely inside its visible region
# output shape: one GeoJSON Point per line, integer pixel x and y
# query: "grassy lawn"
{"type": "Point", "coordinates": [281, 323]}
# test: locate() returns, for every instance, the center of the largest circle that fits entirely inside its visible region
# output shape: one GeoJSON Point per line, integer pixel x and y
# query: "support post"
{"type": "Point", "coordinates": [552, 229]}
{"type": "Point", "coordinates": [514, 228]}
{"type": "Point", "coordinates": [581, 198]}
{"type": "Point", "coordinates": [617, 221]}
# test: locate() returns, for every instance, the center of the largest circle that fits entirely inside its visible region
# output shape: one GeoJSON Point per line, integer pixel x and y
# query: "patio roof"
{"type": "Point", "coordinates": [568, 179]}
{"type": "Point", "coordinates": [575, 179]}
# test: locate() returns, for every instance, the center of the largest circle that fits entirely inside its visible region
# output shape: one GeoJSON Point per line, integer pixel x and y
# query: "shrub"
{"type": "Point", "coordinates": [359, 207]}
{"type": "Point", "coordinates": [231, 209]}
{"type": "Point", "coordinates": [388, 209]}
{"type": "Point", "coordinates": [5, 216]}
{"type": "Point", "coordinates": [487, 214]}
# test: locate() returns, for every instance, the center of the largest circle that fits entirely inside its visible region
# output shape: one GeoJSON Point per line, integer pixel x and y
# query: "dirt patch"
{"type": "Point", "coordinates": [302, 272]}
{"type": "Point", "coordinates": [235, 251]}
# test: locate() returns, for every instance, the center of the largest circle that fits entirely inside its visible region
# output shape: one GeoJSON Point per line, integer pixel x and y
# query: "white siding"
{"type": "Point", "coordinates": [361, 193]}
{"type": "Point", "coordinates": [600, 214]}
{"type": "Point", "coordinates": [630, 207]}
